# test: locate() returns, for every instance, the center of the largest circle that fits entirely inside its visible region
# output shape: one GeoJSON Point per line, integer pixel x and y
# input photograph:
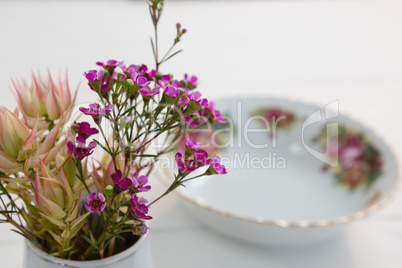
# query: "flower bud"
{"type": "Point", "coordinates": [109, 190]}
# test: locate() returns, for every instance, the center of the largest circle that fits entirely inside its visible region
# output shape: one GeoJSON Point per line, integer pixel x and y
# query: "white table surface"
{"type": "Point", "coordinates": [322, 51]}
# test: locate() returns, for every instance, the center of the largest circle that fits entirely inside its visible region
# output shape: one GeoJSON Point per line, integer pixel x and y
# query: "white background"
{"type": "Point", "coordinates": [321, 51]}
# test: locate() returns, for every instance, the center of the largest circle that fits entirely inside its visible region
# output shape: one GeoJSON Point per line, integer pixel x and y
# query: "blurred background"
{"type": "Point", "coordinates": [321, 51]}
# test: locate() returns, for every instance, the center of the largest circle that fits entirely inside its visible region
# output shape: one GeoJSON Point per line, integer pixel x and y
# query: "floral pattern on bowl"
{"type": "Point", "coordinates": [359, 161]}
{"type": "Point", "coordinates": [277, 118]}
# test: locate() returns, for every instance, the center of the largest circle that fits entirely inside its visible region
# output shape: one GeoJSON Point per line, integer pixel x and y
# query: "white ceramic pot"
{"type": "Point", "coordinates": [137, 256]}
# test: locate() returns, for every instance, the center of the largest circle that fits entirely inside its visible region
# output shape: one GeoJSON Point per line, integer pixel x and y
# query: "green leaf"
{"type": "Point", "coordinates": [145, 155]}
{"type": "Point", "coordinates": [125, 231]}
{"type": "Point", "coordinates": [174, 54]}
{"type": "Point", "coordinates": [108, 240]}
{"type": "Point", "coordinates": [90, 242]}
{"type": "Point", "coordinates": [128, 110]}
{"type": "Point", "coordinates": [56, 237]}
{"type": "Point", "coordinates": [153, 47]}
{"type": "Point", "coordinates": [18, 232]}
{"type": "Point", "coordinates": [159, 125]}
{"type": "Point", "coordinates": [116, 235]}
{"type": "Point", "coordinates": [2, 188]}
{"type": "Point", "coordinates": [59, 223]}
{"type": "Point", "coordinates": [7, 211]}
{"type": "Point", "coordinates": [103, 147]}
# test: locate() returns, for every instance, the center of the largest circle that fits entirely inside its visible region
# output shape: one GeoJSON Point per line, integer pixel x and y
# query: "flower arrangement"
{"type": "Point", "coordinates": [78, 205]}
{"type": "Point", "coordinates": [359, 161]}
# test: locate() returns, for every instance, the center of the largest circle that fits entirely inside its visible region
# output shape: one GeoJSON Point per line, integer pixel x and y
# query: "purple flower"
{"type": "Point", "coordinates": [192, 81]}
{"type": "Point", "coordinates": [130, 68]}
{"type": "Point", "coordinates": [85, 129]}
{"type": "Point", "coordinates": [172, 92]}
{"type": "Point", "coordinates": [164, 81]}
{"type": "Point", "coordinates": [145, 72]}
{"type": "Point", "coordinates": [185, 166]}
{"type": "Point", "coordinates": [148, 92]}
{"type": "Point", "coordinates": [96, 111]}
{"type": "Point", "coordinates": [177, 84]}
{"type": "Point", "coordinates": [126, 119]}
{"type": "Point", "coordinates": [139, 208]}
{"type": "Point", "coordinates": [139, 79]}
{"type": "Point", "coordinates": [218, 117]}
{"type": "Point", "coordinates": [195, 96]}
{"type": "Point", "coordinates": [216, 167]}
{"type": "Point", "coordinates": [96, 81]}
{"type": "Point", "coordinates": [152, 74]}
{"type": "Point", "coordinates": [123, 183]}
{"type": "Point", "coordinates": [215, 113]}
{"type": "Point", "coordinates": [203, 103]}
{"type": "Point", "coordinates": [189, 96]}
{"type": "Point", "coordinates": [190, 121]}
{"type": "Point", "coordinates": [144, 228]}
{"type": "Point", "coordinates": [95, 203]}
{"type": "Point", "coordinates": [189, 165]}
{"type": "Point", "coordinates": [110, 63]}
{"type": "Point", "coordinates": [192, 144]}
{"type": "Point", "coordinates": [140, 183]}
{"type": "Point", "coordinates": [81, 150]}
{"type": "Point", "coordinates": [94, 75]}
{"type": "Point", "coordinates": [201, 158]}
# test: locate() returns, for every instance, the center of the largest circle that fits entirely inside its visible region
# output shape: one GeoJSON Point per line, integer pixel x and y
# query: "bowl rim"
{"type": "Point", "coordinates": [360, 214]}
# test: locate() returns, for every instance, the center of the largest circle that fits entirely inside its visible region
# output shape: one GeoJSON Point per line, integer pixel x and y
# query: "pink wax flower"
{"type": "Point", "coordinates": [138, 206]}
{"type": "Point", "coordinates": [126, 119]}
{"type": "Point", "coordinates": [164, 81]}
{"type": "Point", "coordinates": [148, 92]}
{"type": "Point", "coordinates": [215, 113]}
{"type": "Point", "coordinates": [85, 129]}
{"type": "Point", "coordinates": [189, 165]}
{"type": "Point", "coordinates": [201, 158]}
{"type": "Point", "coordinates": [139, 183]}
{"type": "Point", "coordinates": [96, 111]}
{"type": "Point", "coordinates": [95, 203]}
{"type": "Point", "coordinates": [177, 84]}
{"type": "Point", "coordinates": [110, 64]}
{"type": "Point", "coordinates": [195, 96]}
{"type": "Point", "coordinates": [144, 228]}
{"type": "Point", "coordinates": [172, 92]}
{"type": "Point", "coordinates": [183, 101]}
{"type": "Point", "coordinates": [139, 79]}
{"type": "Point", "coordinates": [216, 167]}
{"type": "Point", "coordinates": [81, 150]}
{"type": "Point", "coordinates": [94, 75]}
{"type": "Point", "coordinates": [192, 122]}
{"type": "Point", "coordinates": [96, 81]}
{"type": "Point", "coordinates": [203, 103]}
{"type": "Point", "coordinates": [185, 166]}
{"type": "Point", "coordinates": [192, 81]}
{"type": "Point", "coordinates": [123, 183]}
{"type": "Point", "coordinates": [192, 144]}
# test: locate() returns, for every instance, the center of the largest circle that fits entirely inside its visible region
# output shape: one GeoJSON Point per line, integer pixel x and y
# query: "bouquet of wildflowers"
{"type": "Point", "coordinates": [78, 205]}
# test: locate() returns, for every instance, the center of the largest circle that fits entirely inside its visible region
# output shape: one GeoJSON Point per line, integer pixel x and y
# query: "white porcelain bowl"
{"type": "Point", "coordinates": [266, 203]}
